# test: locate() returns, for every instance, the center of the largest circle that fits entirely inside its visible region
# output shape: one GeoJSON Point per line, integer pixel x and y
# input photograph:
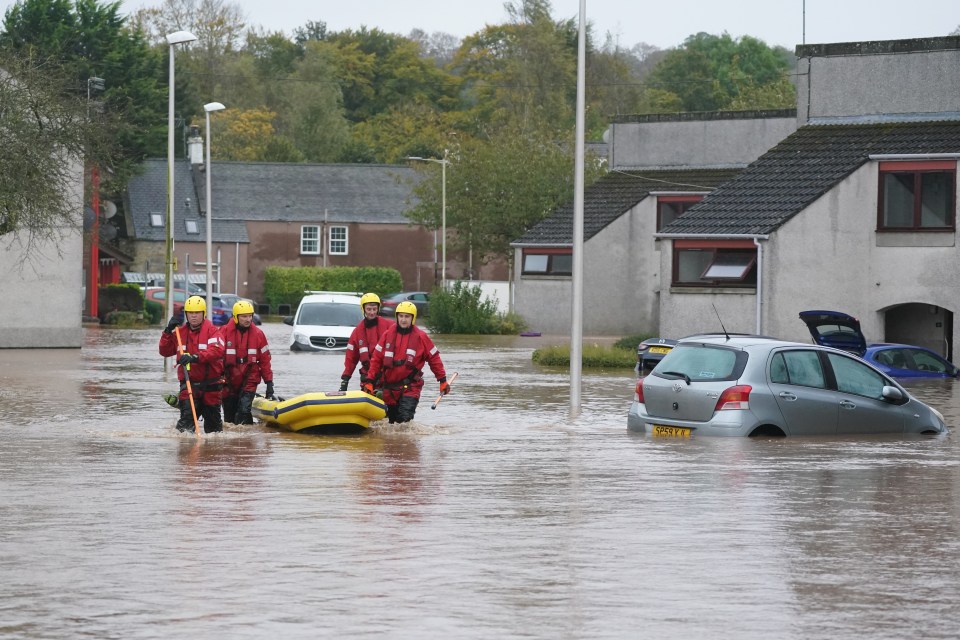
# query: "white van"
{"type": "Point", "coordinates": [324, 321]}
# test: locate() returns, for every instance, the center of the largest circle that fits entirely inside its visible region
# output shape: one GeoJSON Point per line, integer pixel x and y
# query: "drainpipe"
{"type": "Point", "coordinates": [759, 246]}
{"type": "Point", "coordinates": [729, 236]}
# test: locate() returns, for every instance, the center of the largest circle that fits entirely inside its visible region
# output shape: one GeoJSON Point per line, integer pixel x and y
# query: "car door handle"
{"type": "Point", "coordinates": [786, 395]}
{"type": "Point", "coordinates": [846, 404]}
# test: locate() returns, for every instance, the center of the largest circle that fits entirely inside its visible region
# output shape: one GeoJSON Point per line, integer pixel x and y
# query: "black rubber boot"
{"type": "Point", "coordinates": [185, 423]}
{"type": "Point", "coordinates": [212, 422]}
{"type": "Point", "coordinates": [244, 408]}
{"type": "Point", "coordinates": [407, 408]}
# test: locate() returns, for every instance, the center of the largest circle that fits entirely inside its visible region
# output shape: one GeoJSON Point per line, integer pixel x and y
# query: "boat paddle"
{"type": "Point", "coordinates": [186, 376]}
{"type": "Point", "coordinates": [440, 397]}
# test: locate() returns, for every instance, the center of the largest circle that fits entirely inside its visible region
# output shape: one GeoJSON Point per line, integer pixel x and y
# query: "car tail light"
{"type": "Point", "coordinates": [737, 397]}
{"type": "Point", "coordinates": [638, 394]}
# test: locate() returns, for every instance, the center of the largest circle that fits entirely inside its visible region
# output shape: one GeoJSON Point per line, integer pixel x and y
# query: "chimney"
{"type": "Point", "coordinates": [195, 146]}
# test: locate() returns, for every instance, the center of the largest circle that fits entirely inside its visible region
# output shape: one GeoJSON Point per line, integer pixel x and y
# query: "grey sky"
{"type": "Point", "coordinates": [663, 23]}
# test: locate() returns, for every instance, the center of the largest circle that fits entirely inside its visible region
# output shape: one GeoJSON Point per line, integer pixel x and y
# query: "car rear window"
{"type": "Point", "coordinates": [702, 362]}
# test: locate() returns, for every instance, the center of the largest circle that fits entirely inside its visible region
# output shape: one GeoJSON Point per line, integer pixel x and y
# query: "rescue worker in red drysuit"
{"type": "Point", "coordinates": [246, 361]}
{"type": "Point", "coordinates": [203, 353]}
{"type": "Point", "coordinates": [399, 358]}
{"type": "Point", "coordinates": [364, 339]}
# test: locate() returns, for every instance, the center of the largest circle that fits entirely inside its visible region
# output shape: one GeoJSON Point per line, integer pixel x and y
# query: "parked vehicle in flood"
{"type": "Point", "coordinates": [720, 385]}
{"type": "Point", "coordinates": [842, 331]}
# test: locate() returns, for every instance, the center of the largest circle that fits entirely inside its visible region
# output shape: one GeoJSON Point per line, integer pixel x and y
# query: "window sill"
{"type": "Point", "coordinates": [743, 291]}
{"type": "Point", "coordinates": [916, 239]}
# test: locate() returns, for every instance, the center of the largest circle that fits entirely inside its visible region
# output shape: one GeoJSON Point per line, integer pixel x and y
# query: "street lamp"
{"type": "Point", "coordinates": [173, 39]}
{"type": "Point", "coordinates": [209, 108]}
{"type": "Point", "coordinates": [443, 162]}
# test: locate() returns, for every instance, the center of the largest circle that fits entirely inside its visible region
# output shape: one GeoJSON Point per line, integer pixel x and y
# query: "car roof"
{"type": "Point", "coordinates": [331, 297]}
{"type": "Point", "coordinates": [737, 341]}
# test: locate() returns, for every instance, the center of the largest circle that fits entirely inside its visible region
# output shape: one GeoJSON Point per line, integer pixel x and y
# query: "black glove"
{"type": "Point", "coordinates": [173, 324]}
{"type": "Point", "coordinates": [187, 358]}
{"type": "Point", "coordinates": [344, 381]}
{"type": "Point", "coordinates": [270, 390]}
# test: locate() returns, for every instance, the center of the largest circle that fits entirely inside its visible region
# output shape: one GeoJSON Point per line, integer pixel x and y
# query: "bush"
{"type": "Point", "coordinates": [153, 312]}
{"type": "Point", "coordinates": [119, 297]}
{"type": "Point", "coordinates": [594, 357]}
{"type": "Point", "coordinates": [461, 310]}
{"type": "Point", "coordinates": [285, 285]}
{"type": "Point", "coordinates": [123, 318]}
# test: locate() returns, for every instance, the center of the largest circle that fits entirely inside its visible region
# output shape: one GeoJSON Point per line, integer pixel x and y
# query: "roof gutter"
{"type": "Point", "coordinates": [711, 236]}
{"type": "Point", "coordinates": [914, 156]}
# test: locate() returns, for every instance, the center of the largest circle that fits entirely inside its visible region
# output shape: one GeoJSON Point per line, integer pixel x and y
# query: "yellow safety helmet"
{"type": "Point", "coordinates": [407, 307]}
{"type": "Point", "coordinates": [195, 303]}
{"type": "Point", "coordinates": [241, 307]}
{"type": "Point", "coordinates": [368, 298]}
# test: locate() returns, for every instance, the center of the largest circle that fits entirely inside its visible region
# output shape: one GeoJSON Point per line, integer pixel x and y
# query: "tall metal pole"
{"type": "Point", "coordinates": [576, 324]}
{"type": "Point", "coordinates": [168, 279]}
{"type": "Point", "coordinates": [210, 106]}
{"type": "Point", "coordinates": [443, 217]}
{"type": "Point", "coordinates": [173, 39]}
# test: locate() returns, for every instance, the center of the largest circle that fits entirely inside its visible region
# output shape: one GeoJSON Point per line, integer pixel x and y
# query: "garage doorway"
{"type": "Point", "coordinates": [920, 324]}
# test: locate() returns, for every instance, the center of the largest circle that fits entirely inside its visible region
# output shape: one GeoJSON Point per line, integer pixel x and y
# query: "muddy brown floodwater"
{"type": "Point", "coordinates": [495, 516]}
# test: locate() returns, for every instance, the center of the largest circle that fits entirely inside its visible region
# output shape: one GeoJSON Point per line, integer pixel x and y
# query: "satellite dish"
{"type": "Point", "coordinates": [89, 217]}
{"type": "Point", "coordinates": [108, 232]}
{"type": "Point", "coordinates": [108, 209]}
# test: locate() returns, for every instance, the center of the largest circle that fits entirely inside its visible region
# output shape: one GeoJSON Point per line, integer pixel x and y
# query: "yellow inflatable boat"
{"type": "Point", "coordinates": [331, 412]}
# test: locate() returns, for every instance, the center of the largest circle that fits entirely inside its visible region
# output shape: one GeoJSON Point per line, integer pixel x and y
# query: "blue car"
{"type": "Point", "coordinates": [842, 331]}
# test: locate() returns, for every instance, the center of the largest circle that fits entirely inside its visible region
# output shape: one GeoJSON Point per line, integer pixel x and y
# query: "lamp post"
{"type": "Point", "coordinates": [443, 162]}
{"type": "Point", "coordinates": [209, 108]}
{"type": "Point", "coordinates": [173, 39]}
{"type": "Point", "coordinates": [97, 84]}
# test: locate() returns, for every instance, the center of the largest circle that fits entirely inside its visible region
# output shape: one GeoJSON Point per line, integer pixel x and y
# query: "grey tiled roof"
{"type": "Point", "coordinates": [613, 195]}
{"type": "Point", "coordinates": [244, 191]}
{"type": "Point", "coordinates": [803, 167]}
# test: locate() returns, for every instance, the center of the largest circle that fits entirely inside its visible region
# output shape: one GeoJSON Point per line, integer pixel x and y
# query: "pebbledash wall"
{"type": "Point", "coordinates": [43, 287]}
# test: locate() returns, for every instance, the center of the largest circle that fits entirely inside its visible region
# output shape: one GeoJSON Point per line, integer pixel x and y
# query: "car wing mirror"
{"type": "Point", "coordinates": [288, 320]}
{"type": "Point", "coordinates": [892, 394]}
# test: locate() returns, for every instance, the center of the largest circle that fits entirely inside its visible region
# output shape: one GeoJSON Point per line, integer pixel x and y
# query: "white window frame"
{"type": "Point", "coordinates": [192, 227]}
{"type": "Point", "coordinates": [310, 240]}
{"type": "Point", "coordinates": [338, 246]}
{"type": "Point", "coordinates": [156, 219]}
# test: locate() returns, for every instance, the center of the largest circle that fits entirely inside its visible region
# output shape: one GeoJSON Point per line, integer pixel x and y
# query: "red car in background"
{"type": "Point", "coordinates": [219, 314]}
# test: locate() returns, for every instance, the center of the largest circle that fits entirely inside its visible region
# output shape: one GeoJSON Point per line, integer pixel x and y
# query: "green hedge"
{"type": "Point", "coordinates": [594, 357]}
{"type": "Point", "coordinates": [286, 285]}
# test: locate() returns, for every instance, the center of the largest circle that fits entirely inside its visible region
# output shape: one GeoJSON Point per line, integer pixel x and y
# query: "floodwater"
{"type": "Point", "coordinates": [495, 516]}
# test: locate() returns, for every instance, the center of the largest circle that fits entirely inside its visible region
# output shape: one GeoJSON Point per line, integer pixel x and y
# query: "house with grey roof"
{"type": "Point", "coordinates": [660, 165]}
{"type": "Point", "coordinates": [276, 214]}
{"type": "Point", "coordinates": [855, 211]}
{"type": "Point", "coordinates": [853, 208]}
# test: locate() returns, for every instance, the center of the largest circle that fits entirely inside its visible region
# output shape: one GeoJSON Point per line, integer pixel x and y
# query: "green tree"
{"type": "Point", "coordinates": [46, 134]}
{"type": "Point", "coordinates": [311, 107]}
{"type": "Point", "coordinates": [710, 73]}
{"type": "Point", "coordinates": [90, 39]}
{"type": "Point", "coordinates": [497, 189]}
{"type": "Point", "coordinates": [522, 73]}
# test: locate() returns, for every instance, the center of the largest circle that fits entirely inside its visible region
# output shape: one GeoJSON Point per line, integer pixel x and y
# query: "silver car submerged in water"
{"type": "Point", "coordinates": [719, 385]}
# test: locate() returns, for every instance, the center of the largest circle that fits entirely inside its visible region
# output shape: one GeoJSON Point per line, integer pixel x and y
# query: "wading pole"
{"type": "Point", "coordinates": [440, 397]}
